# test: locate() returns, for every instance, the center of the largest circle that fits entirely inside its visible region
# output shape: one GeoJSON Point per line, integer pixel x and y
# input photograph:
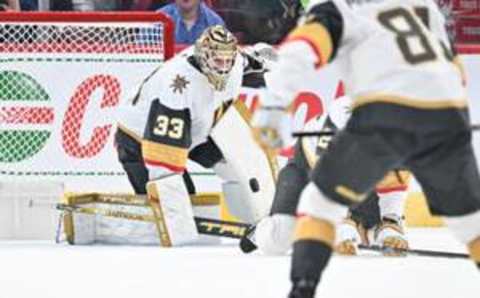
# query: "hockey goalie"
{"type": "Point", "coordinates": [183, 110]}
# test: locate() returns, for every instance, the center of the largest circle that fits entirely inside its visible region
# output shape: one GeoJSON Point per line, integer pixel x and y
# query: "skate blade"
{"type": "Point", "coordinates": [394, 243]}
{"type": "Point", "coordinates": [347, 248]}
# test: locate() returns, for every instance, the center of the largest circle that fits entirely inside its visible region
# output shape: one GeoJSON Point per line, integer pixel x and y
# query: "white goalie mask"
{"type": "Point", "coordinates": [215, 52]}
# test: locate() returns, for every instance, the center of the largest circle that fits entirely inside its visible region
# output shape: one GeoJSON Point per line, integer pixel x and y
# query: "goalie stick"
{"type": "Point", "coordinates": [248, 246]}
{"type": "Point", "coordinates": [207, 226]}
{"type": "Point", "coordinates": [414, 252]}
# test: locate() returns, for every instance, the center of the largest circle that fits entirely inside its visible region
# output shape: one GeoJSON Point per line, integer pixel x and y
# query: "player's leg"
{"type": "Point", "coordinates": [355, 162]}
{"type": "Point", "coordinates": [449, 176]}
{"type": "Point", "coordinates": [384, 210]}
{"type": "Point", "coordinates": [274, 233]}
{"type": "Point", "coordinates": [367, 213]}
{"type": "Point", "coordinates": [130, 156]}
{"type": "Point", "coordinates": [392, 191]}
{"type": "Point", "coordinates": [129, 152]}
{"type": "Point", "coordinates": [353, 230]}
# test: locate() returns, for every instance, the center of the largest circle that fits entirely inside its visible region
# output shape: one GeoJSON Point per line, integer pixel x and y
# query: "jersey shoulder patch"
{"type": "Point", "coordinates": [171, 85]}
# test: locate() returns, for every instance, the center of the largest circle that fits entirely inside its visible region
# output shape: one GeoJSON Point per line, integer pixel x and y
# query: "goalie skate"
{"type": "Point", "coordinates": [391, 234]}
{"type": "Point", "coordinates": [350, 234]}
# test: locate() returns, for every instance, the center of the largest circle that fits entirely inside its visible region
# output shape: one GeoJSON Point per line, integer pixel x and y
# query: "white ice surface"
{"type": "Point", "coordinates": [48, 270]}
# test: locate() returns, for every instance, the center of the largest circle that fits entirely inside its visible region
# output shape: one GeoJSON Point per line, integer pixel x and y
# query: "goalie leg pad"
{"type": "Point", "coordinates": [80, 229]}
{"type": "Point", "coordinates": [173, 211]}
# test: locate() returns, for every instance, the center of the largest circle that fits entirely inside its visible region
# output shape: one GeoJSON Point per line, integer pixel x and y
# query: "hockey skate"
{"type": "Point", "coordinates": [390, 233]}
{"type": "Point", "coordinates": [350, 235]}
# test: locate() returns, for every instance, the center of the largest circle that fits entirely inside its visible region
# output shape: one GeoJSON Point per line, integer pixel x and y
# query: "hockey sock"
{"type": "Point", "coordinates": [312, 250]}
{"type": "Point", "coordinates": [309, 260]}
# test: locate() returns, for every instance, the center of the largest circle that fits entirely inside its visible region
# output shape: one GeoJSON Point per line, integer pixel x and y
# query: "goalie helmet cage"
{"type": "Point", "coordinates": [63, 77]}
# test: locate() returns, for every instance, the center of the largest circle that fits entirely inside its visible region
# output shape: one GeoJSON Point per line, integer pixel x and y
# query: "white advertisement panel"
{"type": "Point", "coordinates": [60, 125]}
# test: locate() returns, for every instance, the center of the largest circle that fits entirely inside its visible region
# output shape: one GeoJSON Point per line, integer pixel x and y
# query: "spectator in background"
{"type": "Point", "coordinates": [9, 5]}
{"type": "Point", "coordinates": [100, 5]}
{"type": "Point", "coordinates": [28, 5]}
{"type": "Point", "coordinates": [55, 5]}
{"type": "Point", "coordinates": [191, 17]}
{"type": "Point", "coordinates": [61, 5]}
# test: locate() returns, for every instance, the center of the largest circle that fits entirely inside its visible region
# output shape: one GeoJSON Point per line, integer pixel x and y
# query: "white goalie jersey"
{"type": "Point", "coordinates": [175, 110]}
{"type": "Point", "coordinates": [394, 51]}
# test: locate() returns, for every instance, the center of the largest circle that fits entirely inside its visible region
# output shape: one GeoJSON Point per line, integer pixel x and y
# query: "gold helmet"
{"type": "Point", "coordinates": [215, 52]}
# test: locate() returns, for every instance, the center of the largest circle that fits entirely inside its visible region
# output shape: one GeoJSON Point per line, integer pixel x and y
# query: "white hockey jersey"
{"type": "Point", "coordinates": [394, 51]}
{"type": "Point", "coordinates": [175, 110]}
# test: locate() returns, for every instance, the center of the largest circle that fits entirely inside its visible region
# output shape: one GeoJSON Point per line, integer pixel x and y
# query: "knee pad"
{"type": "Point", "coordinates": [274, 234]}
{"type": "Point", "coordinates": [466, 228]}
{"type": "Point", "coordinates": [314, 203]}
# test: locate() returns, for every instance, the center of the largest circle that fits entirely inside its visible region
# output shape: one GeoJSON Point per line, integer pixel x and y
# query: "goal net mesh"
{"type": "Point", "coordinates": [63, 77]}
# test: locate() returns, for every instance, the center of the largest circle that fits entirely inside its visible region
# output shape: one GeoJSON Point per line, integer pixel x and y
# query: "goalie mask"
{"type": "Point", "coordinates": [215, 52]}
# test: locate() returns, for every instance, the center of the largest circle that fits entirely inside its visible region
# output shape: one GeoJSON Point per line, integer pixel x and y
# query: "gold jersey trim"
{"type": "Point", "coordinates": [349, 194]}
{"type": "Point", "coordinates": [418, 103]}
{"type": "Point", "coordinates": [166, 154]}
{"type": "Point", "coordinates": [309, 228]}
{"type": "Point", "coordinates": [317, 36]}
{"type": "Point", "coordinates": [474, 249]}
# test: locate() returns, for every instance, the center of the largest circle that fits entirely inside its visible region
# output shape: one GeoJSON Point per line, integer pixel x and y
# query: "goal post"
{"type": "Point", "coordinates": [63, 77]}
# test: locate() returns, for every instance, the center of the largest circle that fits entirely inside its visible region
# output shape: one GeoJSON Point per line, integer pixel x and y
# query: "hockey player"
{"type": "Point", "coordinates": [364, 216]}
{"type": "Point", "coordinates": [410, 109]}
{"type": "Point", "coordinates": [170, 119]}
{"type": "Point", "coordinates": [164, 108]}
{"type": "Point", "coordinates": [273, 234]}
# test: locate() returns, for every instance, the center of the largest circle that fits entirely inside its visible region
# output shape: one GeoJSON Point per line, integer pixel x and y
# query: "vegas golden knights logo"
{"type": "Point", "coordinates": [179, 84]}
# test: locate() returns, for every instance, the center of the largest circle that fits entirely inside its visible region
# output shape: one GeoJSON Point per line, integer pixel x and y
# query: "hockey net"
{"type": "Point", "coordinates": [63, 76]}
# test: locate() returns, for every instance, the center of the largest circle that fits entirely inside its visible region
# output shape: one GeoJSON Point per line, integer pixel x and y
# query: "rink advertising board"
{"type": "Point", "coordinates": [61, 125]}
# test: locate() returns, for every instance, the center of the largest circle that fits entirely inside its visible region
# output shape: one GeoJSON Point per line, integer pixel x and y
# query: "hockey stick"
{"type": "Point", "coordinates": [321, 133]}
{"type": "Point", "coordinates": [206, 226]}
{"type": "Point", "coordinates": [414, 252]}
{"type": "Point", "coordinates": [310, 134]}
{"type": "Point", "coordinates": [215, 227]}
